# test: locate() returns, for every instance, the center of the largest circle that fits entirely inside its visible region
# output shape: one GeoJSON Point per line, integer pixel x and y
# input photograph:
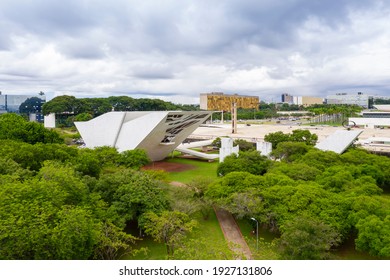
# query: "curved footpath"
{"type": "Point", "coordinates": [232, 232]}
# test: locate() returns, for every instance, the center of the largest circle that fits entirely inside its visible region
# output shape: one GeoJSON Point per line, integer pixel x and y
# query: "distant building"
{"type": "Point", "coordinates": [372, 119]}
{"type": "Point", "coordinates": [217, 101]}
{"type": "Point", "coordinates": [11, 104]}
{"type": "Point", "coordinates": [312, 100]}
{"type": "Point", "coordinates": [301, 100]}
{"type": "Point", "coordinates": [286, 98]}
{"type": "Point", "coordinates": [359, 99]}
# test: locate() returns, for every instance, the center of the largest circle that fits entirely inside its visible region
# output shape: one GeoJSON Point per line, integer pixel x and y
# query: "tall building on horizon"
{"type": "Point", "coordinates": [286, 98]}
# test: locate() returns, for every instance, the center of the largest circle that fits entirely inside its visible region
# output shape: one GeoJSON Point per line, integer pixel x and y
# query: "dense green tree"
{"type": "Point", "coordinates": [379, 101]}
{"type": "Point", "coordinates": [134, 158]}
{"type": "Point", "coordinates": [130, 194]}
{"type": "Point", "coordinates": [122, 103]}
{"type": "Point", "coordinates": [62, 104]}
{"type": "Point", "coordinates": [250, 161]}
{"type": "Point", "coordinates": [15, 127]}
{"type": "Point", "coordinates": [199, 186]}
{"type": "Point", "coordinates": [303, 135]}
{"type": "Point", "coordinates": [55, 216]}
{"type": "Point", "coordinates": [83, 117]}
{"type": "Point", "coordinates": [95, 106]}
{"type": "Point", "coordinates": [169, 227]}
{"type": "Point", "coordinates": [298, 135]}
{"type": "Point", "coordinates": [32, 156]}
{"type": "Point", "coordinates": [306, 238]}
{"type": "Point", "coordinates": [32, 211]}
{"type": "Point", "coordinates": [290, 151]}
{"type": "Point", "coordinates": [37, 133]}
{"type": "Point", "coordinates": [11, 168]}
{"type": "Point", "coordinates": [107, 156]}
{"type": "Point", "coordinates": [113, 243]}
{"type": "Point", "coordinates": [296, 171]}
{"type": "Point", "coordinates": [75, 234]}
{"type": "Point", "coordinates": [182, 199]}
{"type": "Point", "coordinates": [275, 138]}
{"type": "Point", "coordinates": [87, 162]}
{"type": "Point", "coordinates": [67, 179]}
{"type": "Point", "coordinates": [320, 159]}
{"type": "Point", "coordinates": [374, 235]}
{"type": "Point", "coordinates": [232, 183]}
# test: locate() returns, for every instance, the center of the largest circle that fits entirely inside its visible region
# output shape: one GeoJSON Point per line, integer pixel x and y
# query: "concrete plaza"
{"type": "Point", "coordinates": [256, 132]}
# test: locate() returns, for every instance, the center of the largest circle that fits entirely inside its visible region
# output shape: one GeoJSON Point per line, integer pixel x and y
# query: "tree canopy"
{"type": "Point", "coordinates": [297, 135]}
{"type": "Point", "coordinates": [314, 200]}
{"type": "Point", "coordinates": [60, 202]}
{"type": "Point", "coordinates": [98, 106]}
{"type": "Point", "coordinates": [15, 127]}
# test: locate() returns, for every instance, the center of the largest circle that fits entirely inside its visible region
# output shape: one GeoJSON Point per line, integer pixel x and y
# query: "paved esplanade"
{"type": "Point", "coordinates": [258, 131]}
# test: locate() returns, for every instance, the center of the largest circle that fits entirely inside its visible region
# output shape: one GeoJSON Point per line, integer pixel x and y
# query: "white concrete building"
{"type": "Point", "coordinates": [370, 122]}
{"type": "Point", "coordinates": [158, 133]}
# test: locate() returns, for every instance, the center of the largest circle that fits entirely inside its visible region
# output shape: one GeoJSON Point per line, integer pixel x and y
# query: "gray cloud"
{"type": "Point", "coordinates": [186, 47]}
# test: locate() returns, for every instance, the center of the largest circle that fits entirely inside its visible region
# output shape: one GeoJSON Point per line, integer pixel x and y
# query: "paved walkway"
{"type": "Point", "coordinates": [232, 232]}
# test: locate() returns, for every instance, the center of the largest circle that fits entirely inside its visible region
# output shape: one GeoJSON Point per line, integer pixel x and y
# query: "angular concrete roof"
{"type": "Point", "coordinates": [158, 133]}
{"type": "Point", "coordinates": [339, 141]}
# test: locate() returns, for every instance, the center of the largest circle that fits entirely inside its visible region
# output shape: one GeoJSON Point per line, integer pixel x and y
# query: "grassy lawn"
{"type": "Point", "coordinates": [266, 249]}
{"type": "Point", "coordinates": [202, 168]}
{"type": "Point", "coordinates": [208, 230]}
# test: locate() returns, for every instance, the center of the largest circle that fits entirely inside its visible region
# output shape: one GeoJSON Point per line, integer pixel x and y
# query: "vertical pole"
{"type": "Point", "coordinates": [257, 235]}
{"type": "Point", "coordinates": [234, 117]}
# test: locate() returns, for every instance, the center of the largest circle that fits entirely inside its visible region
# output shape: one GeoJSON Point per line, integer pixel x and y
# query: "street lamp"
{"type": "Point", "coordinates": [257, 233]}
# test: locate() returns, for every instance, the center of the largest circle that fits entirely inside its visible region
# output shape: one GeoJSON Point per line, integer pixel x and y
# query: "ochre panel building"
{"type": "Point", "coordinates": [217, 101]}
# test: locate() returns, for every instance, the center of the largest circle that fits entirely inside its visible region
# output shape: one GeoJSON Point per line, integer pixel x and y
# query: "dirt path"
{"type": "Point", "coordinates": [232, 232]}
{"type": "Point", "coordinates": [230, 229]}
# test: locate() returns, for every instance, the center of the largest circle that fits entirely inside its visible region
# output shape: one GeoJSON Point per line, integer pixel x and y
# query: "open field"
{"type": "Point", "coordinates": [201, 168]}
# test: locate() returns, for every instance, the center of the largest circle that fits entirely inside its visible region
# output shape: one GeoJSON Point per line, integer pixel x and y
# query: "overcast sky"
{"type": "Point", "coordinates": [176, 49]}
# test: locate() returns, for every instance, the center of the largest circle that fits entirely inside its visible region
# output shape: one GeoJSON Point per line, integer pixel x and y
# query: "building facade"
{"type": "Point", "coordinates": [286, 98]}
{"type": "Point", "coordinates": [359, 99]}
{"type": "Point", "coordinates": [217, 101]}
{"type": "Point", "coordinates": [11, 104]}
{"type": "Point", "coordinates": [301, 100]}
{"type": "Point", "coordinates": [312, 100]}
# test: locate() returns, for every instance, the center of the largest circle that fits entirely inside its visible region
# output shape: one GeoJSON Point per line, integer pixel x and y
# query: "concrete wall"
{"type": "Point", "coordinates": [50, 121]}
{"type": "Point", "coordinates": [227, 148]}
{"type": "Point", "coordinates": [265, 148]}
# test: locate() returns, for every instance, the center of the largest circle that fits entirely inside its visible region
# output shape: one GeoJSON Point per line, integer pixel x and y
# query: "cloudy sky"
{"type": "Point", "coordinates": [176, 49]}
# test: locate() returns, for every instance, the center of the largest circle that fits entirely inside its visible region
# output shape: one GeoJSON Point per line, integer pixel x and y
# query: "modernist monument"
{"type": "Point", "coordinates": [158, 133]}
